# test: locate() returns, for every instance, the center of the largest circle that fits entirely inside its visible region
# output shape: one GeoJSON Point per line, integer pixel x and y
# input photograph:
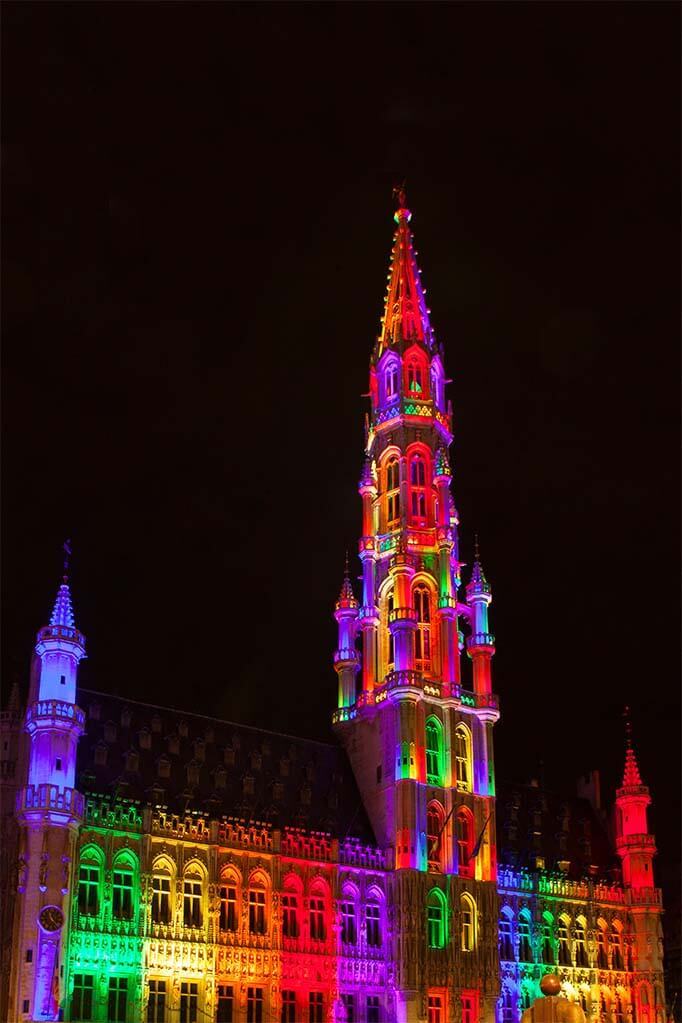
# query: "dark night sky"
{"type": "Point", "coordinates": [197, 229]}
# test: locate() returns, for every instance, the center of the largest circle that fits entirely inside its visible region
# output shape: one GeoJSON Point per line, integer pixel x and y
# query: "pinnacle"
{"type": "Point", "coordinates": [62, 613]}
{"type": "Point", "coordinates": [346, 595]}
{"type": "Point", "coordinates": [631, 775]}
{"type": "Point", "coordinates": [406, 316]}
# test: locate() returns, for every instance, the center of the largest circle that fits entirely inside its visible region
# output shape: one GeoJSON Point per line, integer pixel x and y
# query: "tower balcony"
{"type": "Point", "coordinates": [480, 639]}
{"type": "Point", "coordinates": [626, 842]}
{"type": "Point", "coordinates": [403, 615]}
{"type": "Point", "coordinates": [47, 799]}
{"type": "Point", "coordinates": [54, 714]}
{"type": "Point", "coordinates": [346, 655]}
{"type": "Point", "coordinates": [644, 896]}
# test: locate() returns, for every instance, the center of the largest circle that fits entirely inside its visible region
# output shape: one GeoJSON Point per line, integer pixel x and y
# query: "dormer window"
{"type": "Point", "coordinates": [199, 749]}
{"type": "Point", "coordinates": [182, 729]}
{"type": "Point", "coordinates": [125, 718]}
{"type": "Point", "coordinates": [284, 767]}
{"type": "Point", "coordinates": [173, 744]}
{"type": "Point", "coordinates": [192, 774]}
{"type": "Point", "coordinates": [163, 767]}
{"type": "Point", "coordinates": [100, 755]}
{"type": "Point", "coordinates": [94, 711]}
{"type": "Point", "coordinates": [132, 760]}
{"type": "Point", "coordinates": [229, 756]}
{"type": "Point", "coordinates": [145, 739]}
{"type": "Point", "coordinates": [157, 724]}
{"type": "Point", "coordinates": [220, 777]}
{"type": "Point", "coordinates": [248, 785]}
{"type": "Point", "coordinates": [110, 732]}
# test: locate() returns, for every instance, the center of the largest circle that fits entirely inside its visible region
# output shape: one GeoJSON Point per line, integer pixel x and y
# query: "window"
{"type": "Point", "coordinates": [579, 943]}
{"type": "Point", "coordinates": [525, 948]}
{"type": "Point", "coordinates": [422, 637]}
{"type": "Point", "coordinates": [118, 999]}
{"type": "Point", "coordinates": [26, 1005]}
{"type": "Point", "coordinates": [390, 604]}
{"type": "Point", "coordinates": [616, 941]}
{"type": "Point", "coordinates": [29, 955]}
{"type": "Point", "coordinates": [81, 1001]}
{"type": "Point", "coordinates": [468, 911]}
{"type": "Point", "coordinates": [415, 378]}
{"type": "Point", "coordinates": [88, 891]}
{"type": "Point", "coordinates": [434, 748]}
{"type": "Point", "coordinates": [161, 893]}
{"type": "Point", "coordinates": [122, 907]}
{"type": "Point", "coordinates": [602, 955]}
{"type": "Point", "coordinates": [156, 1006]}
{"type": "Point", "coordinates": [225, 1003]}
{"type": "Point", "coordinates": [463, 757]}
{"type": "Point", "coordinates": [189, 1002]}
{"type": "Point", "coordinates": [506, 1006]}
{"type": "Point", "coordinates": [434, 838]}
{"type": "Point", "coordinates": [315, 1007]}
{"type": "Point", "coordinates": [373, 1009]}
{"type": "Point", "coordinates": [191, 902]}
{"type": "Point", "coordinates": [349, 1006]}
{"type": "Point", "coordinates": [290, 915]}
{"type": "Point", "coordinates": [392, 494]}
{"type": "Point", "coordinates": [228, 908]}
{"type": "Point", "coordinates": [436, 1009]}
{"type": "Point", "coordinates": [435, 919]}
{"type": "Point", "coordinates": [317, 932]}
{"type": "Point", "coordinates": [506, 938]}
{"type": "Point", "coordinates": [564, 946]}
{"type": "Point", "coordinates": [464, 828]}
{"type": "Point", "coordinates": [547, 938]}
{"type": "Point", "coordinates": [348, 924]}
{"type": "Point", "coordinates": [391, 379]}
{"type": "Point", "coordinates": [257, 912]}
{"type": "Point", "coordinates": [418, 490]}
{"type": "Point", "coordinates": [373, 919]}
{"type": "Point", "coordinates": [58, 764]}
{"type": "Point", "coordinates": [62, 680]}
{"type": "Point", "coordinates": [469, 1007]}
{"type": "Point", "coordinates": [436, 386]}
{"type": "Point", "coordinates": [288, 1007]}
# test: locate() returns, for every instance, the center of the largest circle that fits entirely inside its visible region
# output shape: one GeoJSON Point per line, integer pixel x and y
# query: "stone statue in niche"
{"type": "Point", "coordinates": [42, 875]}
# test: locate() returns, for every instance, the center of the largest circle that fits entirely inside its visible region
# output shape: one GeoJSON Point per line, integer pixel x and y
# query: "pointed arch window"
{"type": "Point", "coordinates": [123, 887]}
{"type": "Point", "coordinates": [616, 940]}
{"type": "Point", "coordinates": [418, 490]}
{"type": "Point", "coordinates": [564, 943]}
{"type": "Point", "coordinates": [392, 493]}
{"type": "Point", "coordinates": [464, 825]}
{"type": "Point", "coordinates": [463, 758]}
{"type": "Point", "coordinates": [525, 945]}
{"type": "Point", "coordinates": [436, 918]}
{"type": "Point", "coordinates": [89, 878]}
{"type": "Point", "coordinates": [548, 938]}
{"type": "Point", "coordinates": [415, 377]}
{"type": "Point", "coordinates": [390, 604]}
{"type": "Point", "coordinates": [434, 751]}
{"type": "Point", "coordinates": [349, 913]}
{"type": "Point", "coordinates": [422, 639]}
{"type": "Point", "coordinates": [192, 897]}
{"type": "Point", "coordinates": [602, 954]}
{"type": "Point", "coordinates": [391, 380]}
{"type": "Point", "coordinates": [579, 942]}
{"type": "Point", "coordinates": [468, 915]}
{"type": "Point", "coordinates": [434, 838]}
{"type": "Point", "coordinates": [506, 936]}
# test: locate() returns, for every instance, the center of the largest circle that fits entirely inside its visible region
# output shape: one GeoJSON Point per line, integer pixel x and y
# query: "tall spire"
{"type": "Point", "coordinates": [406, 316]}
{"type": "Point", "coordinates": [631, 775]}
{"type": "Point", "coordinates": [346, 596]}
{"type": "Point", "coordinates": [62, 612]}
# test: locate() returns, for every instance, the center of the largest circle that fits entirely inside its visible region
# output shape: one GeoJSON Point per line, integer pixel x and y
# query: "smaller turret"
{"type": "Point", "coordinates": [481, 643]}
{"type": "Point", "coordinates": [346, 661]}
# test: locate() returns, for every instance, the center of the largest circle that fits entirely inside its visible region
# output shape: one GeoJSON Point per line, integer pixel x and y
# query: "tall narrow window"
{"type": "Point", "coordinates": [373, 920]}
{"type": "Point", "coordinates": [602, 954]}
{"type": "Point", "coordinates": [228, 908]}
{"type": "Point", "coordinates": [547, 938]}
{"type": "Point", "coordinates": [225, 1003]}
{"type": "Point", "coordinates": [257, 911]}
{"type": "Point", "coordinates": [191, 902]}
{"type": "Point", "coordinates": [422, 639]}
{"type": "Point", "coordinates": [616, 940]}
{"type": "Point", "coordinates": [373, 1009]}
{"type": "Point", "coordinates": [506, 1006]}
{"type": "Point", "coordinates": [122, 905]}
{"type": "Point", "coordinates": [434, 837]}
{"type": "Point", "coordinates": [82, 999]}
{"type": "Point", "coordinates": [506, 938]}
{"type": "Point", "coordinates": [189, 1002]}
{"type": "Point", "coordinates": [118, 999]}
{"type": "Point", "coordinates": [415, 378]}
{"type": "Point", "coordinates": [464, 827]}
{"type": "Point", "coordinates": [288, 1007]}
{"type": "Point", "coordinates": [525, 947]}
{"type": "Point", "coordinates": [564, 946]}
{"type": "Point", "coordinates": [290, 915]}
{"type": "Point", "coordinates": [315, 1007]}
{"type": "Point", "coordinates": [436, 1012]}
{"type": "Point", "coordinates": [390, 604]}
{"type": "Point", "coordinates": [468, 912]}
{"type": "Point", "coordinates": [469, 1006]}
{"type": "Point", "coordinates": [391, 380]}
{"type": "Point", "coordinates": [348, 923]}
{"type": "Point", "coordinates": [392, 494]}
{"type": "Point", "coordinates": [317, 930]}
{"type": "Point", "coordinates": [254, 1005]}
{"type": "Point", "coordinates": [435, 918]}
{"type": "Point", "coordinates": [161, 893]}
{"type": "Point", "coordinates": [156, 1006]}
{"type": "Point", "coordinates": [418, 490]}
{"type": "Point", "coordinates": [349, 1005]}
{"type": "Point", "coordinates": [463, 757]}
{"type": "Point", "coordinates": [88, 890]}
{"type": "Point", "coordinates": [434, 751]}
{"type": "Point", "coordinates": [579, 942]}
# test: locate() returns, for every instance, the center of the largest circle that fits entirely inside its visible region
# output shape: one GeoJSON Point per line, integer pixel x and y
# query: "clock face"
{"type": "Point", "coordinates": [51, 918]}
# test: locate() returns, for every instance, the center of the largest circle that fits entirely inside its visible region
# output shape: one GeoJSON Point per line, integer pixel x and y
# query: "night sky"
{"type": "Point", "coordinates": [197, 225]}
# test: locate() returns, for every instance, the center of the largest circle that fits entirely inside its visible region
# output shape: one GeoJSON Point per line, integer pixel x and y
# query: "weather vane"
{"type": "Point", "coordinates": [66, 547]}
{"type": "Point", "coordinates": [399, 195]}
{"type": "Point", "coordinates": [628, 726]}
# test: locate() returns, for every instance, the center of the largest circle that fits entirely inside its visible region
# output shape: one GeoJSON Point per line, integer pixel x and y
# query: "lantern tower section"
{"type": "Point", "coordinates": [49, 814]}
{"type": "Point", "coordinates": [418, 735]}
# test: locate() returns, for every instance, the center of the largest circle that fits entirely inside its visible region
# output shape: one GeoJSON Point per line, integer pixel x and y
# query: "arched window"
{"type": "Point", "coordinates": [464, 826]}
{"type": "Point", "coordinates": [392, 493]}
{"type": "Point", "coordinates": [547, 938]}
{"type": "Point", "coordinates": [436, 918]}
{"type": "Point", "coordinates": [89, 880]}
{"type": "Point", "coordinates": [192, 897]}
{"type": "Point", "coordinates": [579, 942]}
{"type": "Point", "coordinates": [618, 1007]}
{"type": "Point", "coordinates": [418, 505]}
{"type": "Point", "coordinates": [434, 836]}
{"type": "Point", "coordinates": [644, 1003]}
{"type": "Point", "coordinates": [506, 936]}
{"type": "Point", "coordinates": [468, 918]}
{"type": "Point", "coordinates": [316, 910]}
{"type": "Point", "coordinates": [564, 944]}
{"type": "Point", "coordinates": [463, 757]}
{"type": "Point", "coordinates": [602, 951]}
{"type": "Point", "coordinates": [422, 639]}
{"type": "Point", "coordinates": [124, 876]}
{"type": "Point", "coordinates": [349, 915]}
{"type": "Point", "coordinates": [390, 604]}
{"type": "Point", "coordinates": [373, 919]}
{"type": "Point", "coordinates": [162, 891]}
{"type": "Point", "coordinates": [229, 900]}
{"type": "Point", "coordinates": [525, 942]}
{"type": "Point", "coordinates": [434, 751]}
{"type": "Point", "coordinates": [506, 1005]}
{"type": "Point", "coordinates": [436, 378]}
{"type": "Point", "coordinates": [258, 922]}
{"type": "Point", "coordinates": [616, 939]}
{"type": "Point", "coordinates": [391, 378]}
{"type": "Point", "coordinates": [415, 377]}
{"type": "Point", "coordinates": [291, 901]}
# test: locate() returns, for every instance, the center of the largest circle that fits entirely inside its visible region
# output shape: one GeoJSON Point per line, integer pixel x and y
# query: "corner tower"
{"type": "Point", "coordinates": [419, 738]}
{"type": "Point", "coordinates": [49, 813]}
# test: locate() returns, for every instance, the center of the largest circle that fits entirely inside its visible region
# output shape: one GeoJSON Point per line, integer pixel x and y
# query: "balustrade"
{"type": "Point", "coordinates": [50, 797]}
{"type": "Point", "coordinates": [54, 710]}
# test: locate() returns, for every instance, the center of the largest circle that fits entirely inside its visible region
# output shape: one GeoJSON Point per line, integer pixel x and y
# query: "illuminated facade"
{"type": "Point", "coordinates": [174, 868]}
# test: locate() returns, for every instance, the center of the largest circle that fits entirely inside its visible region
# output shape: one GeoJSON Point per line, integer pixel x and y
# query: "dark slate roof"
{"type": "Point", "coordinates": [216, 767]}
{"type": "Point", "coordinates": [533, 822]}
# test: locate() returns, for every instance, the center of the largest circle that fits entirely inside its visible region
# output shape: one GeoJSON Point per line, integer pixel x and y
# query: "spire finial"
{"type": "Point", "coordinates": [628, 727]}
{"type": "Point", "coordinates": [66, 547]}
{"type": "Point", "coordinates": [477, 550]}
{"type": "Point", "coordinates": [399, 195]}
{"type": "Point", "coordinates": [346, 567]}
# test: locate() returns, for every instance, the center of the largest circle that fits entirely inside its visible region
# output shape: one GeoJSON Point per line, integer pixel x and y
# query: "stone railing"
{"type": "Point", "coordinates": [307, 846]}
{"type": "Point", "coordinates": [644, 896]}
{"type": "Point", "coordinates": [245, 835]}
{"type": "Point", "coordinates": [61, 632]}
{"type": "Point", "coordinates": [102, 812]}
{"type": "Point", "coordinates": [349, 654]}
{"type": "Point", "coordinates": [353, 854]}
{"type": "Point", "coordinates": [50, 798]}
{"type": "Point", "coordinates": [627, 841]}
{"type": "Point", "coordinates": [48, 711]}
{"type": "Point", "coordinates": [194, 828]}
{"type": "Point", "coordinates": [480, 639]}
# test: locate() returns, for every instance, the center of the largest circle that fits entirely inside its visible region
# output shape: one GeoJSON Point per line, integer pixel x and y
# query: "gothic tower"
{"type": "Point", "coordinates": [49, 813]}
{"type": "Point", "coordinates": [419, 741]}
{"type": "Point", "coordinates": [637, 848]}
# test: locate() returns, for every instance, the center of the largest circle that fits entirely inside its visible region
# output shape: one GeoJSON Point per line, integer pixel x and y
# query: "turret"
{"type": "Point", "coordinates": [481, 643]}
{"type": "Point", "coordinates": [346, 660]}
